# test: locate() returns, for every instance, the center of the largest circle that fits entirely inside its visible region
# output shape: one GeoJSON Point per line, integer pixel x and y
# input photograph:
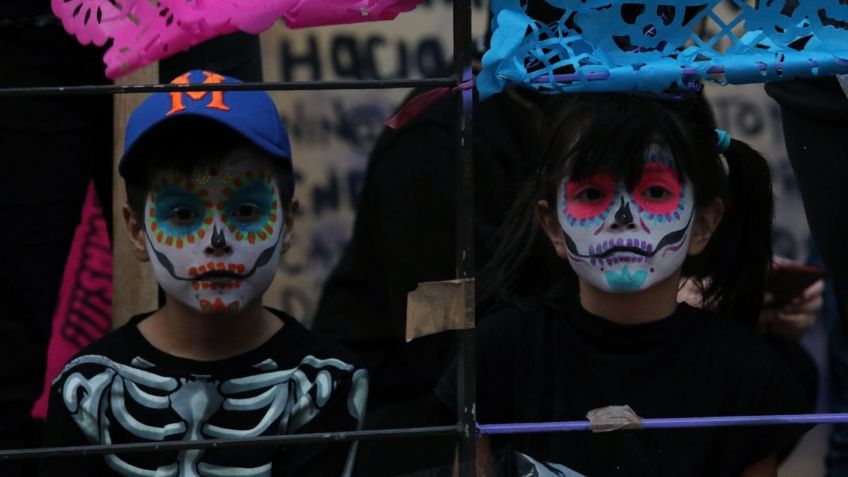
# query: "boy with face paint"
{"type": "Point", "coordinates": [210, 204]}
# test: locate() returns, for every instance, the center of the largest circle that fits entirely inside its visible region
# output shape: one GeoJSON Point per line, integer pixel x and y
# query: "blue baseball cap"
{"type": "Point", "coordinates": [252, 114]}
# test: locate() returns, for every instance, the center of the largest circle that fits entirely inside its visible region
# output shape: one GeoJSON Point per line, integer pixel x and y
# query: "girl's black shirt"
{"type": "Point", "coordinates": [554, 361]}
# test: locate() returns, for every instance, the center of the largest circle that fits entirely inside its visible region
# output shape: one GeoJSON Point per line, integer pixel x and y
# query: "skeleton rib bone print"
{"type": "Point", "coordinates": [278, 401]}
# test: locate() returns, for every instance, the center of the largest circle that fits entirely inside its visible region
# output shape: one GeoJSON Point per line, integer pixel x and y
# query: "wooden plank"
{"type": "Point", "coordinates": [134, 288]}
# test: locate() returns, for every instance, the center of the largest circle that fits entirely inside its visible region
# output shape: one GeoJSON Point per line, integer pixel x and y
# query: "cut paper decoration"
{"type": "Point", "coordinates": [434, 307]}
{"type": "Point", "coordinates": [662, 46]}
{"type": "Point", "coordinates": [144, 31]}
{"type": "Point", "coordinates": [84, 311]}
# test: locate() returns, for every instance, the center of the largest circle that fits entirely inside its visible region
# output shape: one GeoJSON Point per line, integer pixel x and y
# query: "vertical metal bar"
{"type": "Point", "coordinates": [466, 375]}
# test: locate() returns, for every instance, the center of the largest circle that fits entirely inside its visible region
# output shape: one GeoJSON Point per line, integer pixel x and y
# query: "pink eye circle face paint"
{"type": "Point", "coordinates": [589, 198]}
{"type": "Point", "coordinates": [658, 190]}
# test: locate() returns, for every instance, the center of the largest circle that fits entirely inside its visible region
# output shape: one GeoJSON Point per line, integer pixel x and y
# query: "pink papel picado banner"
{"type": "Point", "coordinates": [145, 31]}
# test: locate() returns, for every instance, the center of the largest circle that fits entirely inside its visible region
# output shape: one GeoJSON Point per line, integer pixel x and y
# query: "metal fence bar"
{"type": "Point", "coordinates": [466, 366]}
{"type": "Point", "coordinates": [461, 429]}
{"type": "Point", "coordinates": [135, 448]}
{"type": "Point", "coordinates": [670, 423]}
{"type": "Point", "coordinates": [269, 86]}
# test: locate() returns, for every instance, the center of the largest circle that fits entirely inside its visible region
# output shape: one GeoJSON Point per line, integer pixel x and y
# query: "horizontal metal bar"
{"type": "Point", "coordinates": [669, 423]}
{"type": "Point", "coordinates": [457, 429]}
{"type": "Point", "coordinates": [269, 86]}
{"type": "Point", "coordinates": [134, 448]}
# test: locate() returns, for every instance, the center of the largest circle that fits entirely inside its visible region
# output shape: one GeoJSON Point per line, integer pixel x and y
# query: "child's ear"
{"type": "Point", "coordinates": [288, 232]}
{"type": "Point", "coordinates": [135, 230]}
{"type": "Point", "coordinates": [550, 223]}
{"type": "Point", "coordinates": [707, 219]}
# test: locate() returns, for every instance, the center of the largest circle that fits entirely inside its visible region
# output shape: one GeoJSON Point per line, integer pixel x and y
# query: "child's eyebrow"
{"type": "Point", "coordinates": [172, 177]}
{"type": "Point", "coordinates": [254, 190]}
{"type": "Point", "coordinates": [254, 185]}
{"type": "Point", "coordinates": [175, 191]}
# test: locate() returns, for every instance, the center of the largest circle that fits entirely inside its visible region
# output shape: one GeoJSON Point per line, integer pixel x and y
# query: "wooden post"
{"type": "Point", "coordinates": [134, 288]}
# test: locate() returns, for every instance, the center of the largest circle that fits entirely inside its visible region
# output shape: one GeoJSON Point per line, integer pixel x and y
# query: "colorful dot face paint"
{"type": "Point", "coordinates": [621, 240]}
{"type": "Point", "coordinates": [216, 237]}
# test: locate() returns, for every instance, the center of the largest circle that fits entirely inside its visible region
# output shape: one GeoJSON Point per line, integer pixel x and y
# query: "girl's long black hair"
{"type": "Point", "coordinates": [587, 132]}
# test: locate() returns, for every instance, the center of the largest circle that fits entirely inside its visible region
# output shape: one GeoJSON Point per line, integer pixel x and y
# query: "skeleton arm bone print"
{"type": "Point", "coordinates": [123, 400]}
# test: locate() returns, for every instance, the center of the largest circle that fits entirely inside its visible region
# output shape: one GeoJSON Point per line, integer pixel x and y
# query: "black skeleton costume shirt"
{"type": "Point", "coordinates": [123, 390]}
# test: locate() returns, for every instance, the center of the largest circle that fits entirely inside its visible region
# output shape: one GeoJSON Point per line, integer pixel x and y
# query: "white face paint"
{"type": "Point", "coordinates": [216, 237]}
{"type": "Point", "coordinates": [621, 240]}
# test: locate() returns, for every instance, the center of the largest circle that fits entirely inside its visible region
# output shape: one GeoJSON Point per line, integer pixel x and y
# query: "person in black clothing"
{"type": "Point", "coordinates": [630, 224]}
{"type": "Point", "coordinates": [363, 303]}
{"type": "Point", "coordinates": [814, 114]}
{"type": "Point", "coordinates": [815, 122]}
{"type": "Point", "coordinates": [210, 203]}
{"type": "Point", "coordinates": [404, 234]}
{"type": "Point", "coordinates": [405, 226]}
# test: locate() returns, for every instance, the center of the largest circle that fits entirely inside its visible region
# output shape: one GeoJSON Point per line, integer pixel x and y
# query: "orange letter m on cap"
{"type": "Point", "coordinates": [217, 96]}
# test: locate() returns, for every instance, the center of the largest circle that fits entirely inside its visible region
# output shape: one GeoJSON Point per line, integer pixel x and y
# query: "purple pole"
{"type": "Point", "coordinates": [669, 423]}
{"type": "Point", "coordinates": [569, 77]}
{"type": "Point", "coordinates": [717, 69]}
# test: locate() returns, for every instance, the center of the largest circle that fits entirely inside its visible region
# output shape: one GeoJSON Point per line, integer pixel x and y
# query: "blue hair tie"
{"type": "Point", "coordinates": [723, 141]}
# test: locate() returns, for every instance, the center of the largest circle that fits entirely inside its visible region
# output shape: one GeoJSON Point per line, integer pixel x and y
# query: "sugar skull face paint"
{"type": "Point", "coordinates": [621, 240]}
{"type": "Point", "coordinates": [216, 237]}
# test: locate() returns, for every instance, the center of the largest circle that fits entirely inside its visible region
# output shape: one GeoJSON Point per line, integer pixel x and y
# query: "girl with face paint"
{"type": "Point", "coordinates": [620, 239]}
{"type": "Point", "coordinates": [632, 194]}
